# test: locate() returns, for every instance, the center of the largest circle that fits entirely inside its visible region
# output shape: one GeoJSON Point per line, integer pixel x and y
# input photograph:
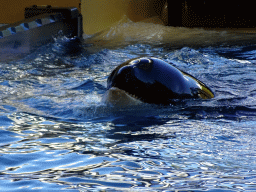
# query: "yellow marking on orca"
{"type": "Point", "coordinates": [205, 93]}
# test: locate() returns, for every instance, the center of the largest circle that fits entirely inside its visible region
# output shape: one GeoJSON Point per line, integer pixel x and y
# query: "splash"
{"type": "Point", "coordinates": [126, 32]}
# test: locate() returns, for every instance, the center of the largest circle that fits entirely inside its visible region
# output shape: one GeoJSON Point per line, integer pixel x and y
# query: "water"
{"type": "Point", "coordinates": [57, 135]}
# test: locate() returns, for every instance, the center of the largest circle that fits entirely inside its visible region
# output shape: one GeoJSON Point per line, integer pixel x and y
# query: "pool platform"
{"type": "Point", "coordinates": [40, 26]}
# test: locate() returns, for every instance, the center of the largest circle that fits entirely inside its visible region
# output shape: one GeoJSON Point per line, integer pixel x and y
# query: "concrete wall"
{"type": "Point", "coordinates": [100, 14]}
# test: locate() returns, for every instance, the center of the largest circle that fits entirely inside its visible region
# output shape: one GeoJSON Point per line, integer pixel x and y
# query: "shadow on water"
{"type": "Point", "coordinates": [131, 129]}
{"type": "Point", "coordinates": [238, 52]}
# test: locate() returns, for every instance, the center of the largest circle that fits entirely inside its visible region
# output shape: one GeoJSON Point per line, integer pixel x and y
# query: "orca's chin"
{"type": "Point", "coordinates": [120, 98]}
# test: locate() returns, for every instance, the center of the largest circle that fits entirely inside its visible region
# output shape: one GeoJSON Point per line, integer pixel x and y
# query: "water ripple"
{"type": "Point", "coordinates": [56, 134]}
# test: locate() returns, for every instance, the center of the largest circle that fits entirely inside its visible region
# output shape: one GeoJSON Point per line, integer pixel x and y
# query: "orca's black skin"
{"type": "Point", "coordinates": [152, 80]}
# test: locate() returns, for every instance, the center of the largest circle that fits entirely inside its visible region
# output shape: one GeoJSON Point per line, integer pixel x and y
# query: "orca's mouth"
{"type": "Point", "coordinates": [128, 94]}
{"type": "Point", "coordinates": [121, 97]}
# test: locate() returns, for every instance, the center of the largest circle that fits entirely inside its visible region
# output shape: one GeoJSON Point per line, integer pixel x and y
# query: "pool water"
{"type": "Point", "coordinates": [57, 135]}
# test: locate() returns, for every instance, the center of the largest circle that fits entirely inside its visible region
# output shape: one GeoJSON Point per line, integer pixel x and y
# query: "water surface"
{"type": "Point", "coordinates": [57, 135]}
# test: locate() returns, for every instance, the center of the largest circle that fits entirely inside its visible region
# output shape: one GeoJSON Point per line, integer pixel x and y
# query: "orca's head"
{"type": "Point", "coordinates": [152, 80]}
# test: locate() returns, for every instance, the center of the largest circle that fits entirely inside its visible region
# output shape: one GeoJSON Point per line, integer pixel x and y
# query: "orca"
{"type": "Point", "coordinates": [151, 80]}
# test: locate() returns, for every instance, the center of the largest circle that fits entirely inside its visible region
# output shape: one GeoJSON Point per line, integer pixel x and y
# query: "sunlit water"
{"type": "Point", "coordinates": [57, 135]}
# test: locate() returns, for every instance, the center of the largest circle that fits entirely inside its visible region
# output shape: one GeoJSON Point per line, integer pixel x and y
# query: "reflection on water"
{"type": "Point", "coordinates": [157, 154]}
{"type": "Point", "coordinates": [56, 134]}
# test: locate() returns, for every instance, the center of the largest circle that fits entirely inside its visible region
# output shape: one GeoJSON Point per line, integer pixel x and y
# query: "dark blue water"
{"type": "Point", "coordinates": [57, 135]}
